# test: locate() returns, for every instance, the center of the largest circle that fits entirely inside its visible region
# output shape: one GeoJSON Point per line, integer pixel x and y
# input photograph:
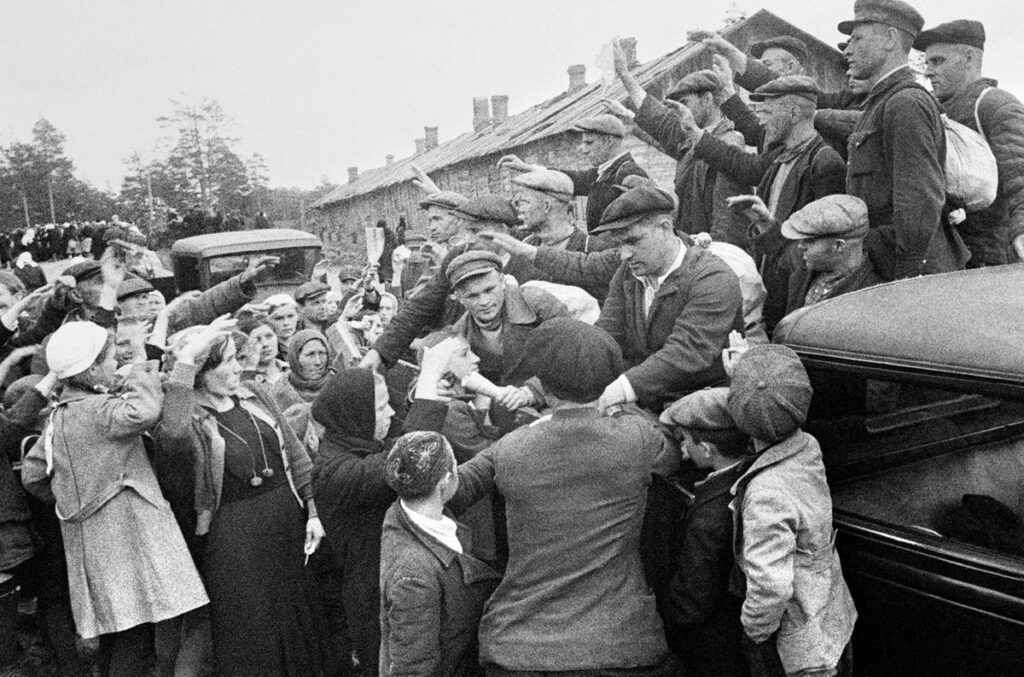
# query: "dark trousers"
{"type": "Point", "coordinates": [764, 661]}
{"type": "Point", "coordinates": [666, 667]}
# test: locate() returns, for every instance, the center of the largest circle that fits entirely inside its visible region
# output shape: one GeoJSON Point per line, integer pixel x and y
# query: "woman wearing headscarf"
{"type": "Point", "coordinates": [310, 361]}
{"type": "Point", "coordinates": [254, 505]}
{"type": "Point", "coordinates": [128, 566]}
{"type": "Point", "coordinates": [349, 484]}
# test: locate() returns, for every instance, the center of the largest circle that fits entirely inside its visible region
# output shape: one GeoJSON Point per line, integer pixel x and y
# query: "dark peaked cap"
{"type": "Point", "coordinates": [893, 13]}
{"type": "Point", "coordinates": [642, 198]}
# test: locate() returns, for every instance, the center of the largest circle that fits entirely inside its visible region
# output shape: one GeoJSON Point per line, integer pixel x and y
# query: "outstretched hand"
{"type": "Point", "coordinates": [753, 207]}
{"type": "Point", "coordinates": [514, 163]}
{"type": "Point", "coordinates": [422, 181]}
{"type": "Point", "coordinates": [617, 109]}
{"type": "Point", "coordinates": [257, 264]}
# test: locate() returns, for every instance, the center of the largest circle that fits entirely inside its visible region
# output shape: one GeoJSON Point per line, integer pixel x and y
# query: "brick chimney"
{"type": "Point", "coordinates": [353, 174]}
{"type": "Point", "coordinates": [481, 113]}
{"type": "Point", "coordinates": [430, 134]}
{"type": "Point", "coordinates": [577, 77]}
{"type": "Point", "coordinates": [499, 108]}
{"type": "Point", "coordinates": [629, 46]}
{"type": "Point", "coordinates": [388, 159]}
{"type": "Point", "coordinates": [421, 145]}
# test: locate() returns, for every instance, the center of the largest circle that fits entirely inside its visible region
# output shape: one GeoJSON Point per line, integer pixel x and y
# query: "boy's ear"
{"type": "Point", "coordinates": [75, 295]}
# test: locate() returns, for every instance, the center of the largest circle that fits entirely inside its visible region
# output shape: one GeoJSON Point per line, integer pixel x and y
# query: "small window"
{"type": "Point", "coordinates": [295, 267]}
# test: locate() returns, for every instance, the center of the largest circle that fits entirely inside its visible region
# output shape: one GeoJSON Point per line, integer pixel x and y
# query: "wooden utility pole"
{"type": "Point", "coordinates": [49, 189]}
{"type": "Point", "coordinates": [149, 191]}
{"type": "Point", "coordinates": [24, 203]}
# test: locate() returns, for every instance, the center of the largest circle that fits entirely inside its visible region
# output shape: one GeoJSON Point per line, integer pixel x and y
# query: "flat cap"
{"type": "Point", "coordinates": [831, 216]}
{"type": "Point", "coordinates": [574, 360]}
{"type": "Point", "coordinates": [412, 236]}
{"type": "Point", "coordinates": [489, 208]}
{"type": "Point", "coordinates": [959, 32]}
{"type": "Point", "coordinates": [770, 393]}
{"type": "Point", "coordinates": [605, 123]}
{"type": "Point", "coordinates": [446, 199]}
{"type": "Point", "coordinates": [794, 46]}
{"type": "Point", "coordinates": [895, 13]}
{"type": "Point", "coordinates": [84, 270]}
{"type": "Point", "coordinates": [132, 286]}
{"type": "Point", "coordinates": [474, 263]}
{"type": "Point", "coordinates": [547, 181]}
{"type": "Point", "coordinates": [311, 290]}
{"type": "Point", "coordinates": [796, 85]}
{"type": "Point", "coordinates": [706, 409]}
{"type": "Point", "coordinates": [641, 198]}
{"type": "Point", "coordinates": [697, 82]}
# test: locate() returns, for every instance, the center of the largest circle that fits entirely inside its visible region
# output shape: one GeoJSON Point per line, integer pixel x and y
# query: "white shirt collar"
{"type": "Point", "coordinates": [656, 283]}
{"type": "Point", "coordinates": [442, 530]}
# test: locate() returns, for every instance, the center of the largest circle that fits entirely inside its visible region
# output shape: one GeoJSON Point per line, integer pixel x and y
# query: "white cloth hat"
{"type": "Point", "coordinates": [74, 348]}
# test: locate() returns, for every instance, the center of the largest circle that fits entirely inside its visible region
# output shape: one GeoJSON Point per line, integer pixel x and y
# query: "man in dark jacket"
{"type": "Point", "coordinates": [795, 168]}
{"type": "Point", "coordinates": [702, 190]}
{"type": "Point", "coordinates": [670, 306]}
{"type": "Point", "coordinates": [897, 151]}
{"type": "Point", "coordinates": [601, 146]}
{"type": "Point", "coordinates": [544, 201]}
{"type": "Point", "coordinates": [953, 61]}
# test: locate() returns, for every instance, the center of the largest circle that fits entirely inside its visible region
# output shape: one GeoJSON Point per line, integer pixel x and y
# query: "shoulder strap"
{"type": "Point", "coordinates": [977, 107]}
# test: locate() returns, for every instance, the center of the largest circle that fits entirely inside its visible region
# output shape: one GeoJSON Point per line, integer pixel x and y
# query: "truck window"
{"type": "Point", "coordinates": [294, 268]}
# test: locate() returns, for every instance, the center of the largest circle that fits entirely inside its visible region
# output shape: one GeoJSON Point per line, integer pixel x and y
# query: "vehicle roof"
{"type": "Point", "coordinates": [216, 244]}
{"type": "Point", "coordinates": [967, 323]}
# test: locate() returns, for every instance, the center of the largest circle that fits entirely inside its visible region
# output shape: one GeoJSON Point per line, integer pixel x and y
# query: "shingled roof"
{"type": "Point", "coordinates": [552, 117]}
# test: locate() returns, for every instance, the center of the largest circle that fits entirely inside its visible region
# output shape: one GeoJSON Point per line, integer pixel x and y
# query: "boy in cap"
{"type": "Point", "coordinates": [797, 612]}
{"type": "Point", "coordinates": [432, 591]}
{"type": "Point", "coordinates": [829, 233]}
{"type": "Point", "coordinates": [601, 145]}
{"type": "Point", "coordinates": [701, 190]}
{"type": "Point", "coordinates": [953, 54]}
{"type": "Point", "coordinates": [702, 616]}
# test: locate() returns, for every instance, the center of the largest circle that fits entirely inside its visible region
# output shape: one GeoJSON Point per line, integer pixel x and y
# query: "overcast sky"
{"type": "Point", "coordinates": [316, 87]}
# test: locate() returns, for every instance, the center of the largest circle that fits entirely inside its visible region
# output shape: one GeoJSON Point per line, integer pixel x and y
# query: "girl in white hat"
{"type": "Point", "coordinates": [128, 565]}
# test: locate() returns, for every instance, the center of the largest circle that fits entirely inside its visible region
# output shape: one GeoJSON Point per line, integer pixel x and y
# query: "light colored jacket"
{"type": "Point", "coordinates": [785, 546]}
{"type": "Point", "coordinates": [127, 560]}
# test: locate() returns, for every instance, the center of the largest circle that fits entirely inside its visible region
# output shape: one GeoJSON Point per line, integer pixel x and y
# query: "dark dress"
{"type": "Point", "coordinates": [261, 617]}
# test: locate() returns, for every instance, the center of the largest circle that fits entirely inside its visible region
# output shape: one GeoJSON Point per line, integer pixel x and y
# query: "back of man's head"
{"type": "Point", "coordinates": [573, 360]}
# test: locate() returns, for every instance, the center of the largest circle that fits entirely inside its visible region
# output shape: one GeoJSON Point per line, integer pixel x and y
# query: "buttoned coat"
{"type": "Point", "coordinates": [127, 560]}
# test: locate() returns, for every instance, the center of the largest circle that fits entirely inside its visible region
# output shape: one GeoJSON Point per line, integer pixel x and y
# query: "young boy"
{"type": "Point", "coordinates": [702, 617]}
{"type": "Point", "coordinates": [797, 615]}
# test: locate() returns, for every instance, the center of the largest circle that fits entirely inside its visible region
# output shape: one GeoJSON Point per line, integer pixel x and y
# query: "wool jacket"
{"type": "Point", "coordinates": [897, 156]}
{"type": "Point", "coordinates": [601, 190]}
{"type": "Point", "coordinates": [989, 232]}
{"type": "Point", "coordinates": [702, 190]}
{"type": "Point", "coordinates": [574, 595]}
{"type": "Point", "coordinates": [677, 348]}
{"type": "Point", "coordinates": [800, 283]}
{"type": "Point", "coordinates": [785, 545]}
{"type": "Point", "coordinates": [431, 600]}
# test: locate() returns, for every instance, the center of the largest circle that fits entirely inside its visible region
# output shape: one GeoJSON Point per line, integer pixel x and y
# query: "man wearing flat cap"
{"type": "Point", "coordinates": [953, 54]}
{"type": "Point", "coordinates": [601, 145]}
{"type": "Point", "coordinates": [670, 306]}
{"type": "Point", "coordinates": [795, 168]}
{"type": "Point", "coordinates": [314, 310]}
{"type": "Point", "coordinates": [897, 150]}
{"type": "Point", "coordinates": [544, 202]}
{"type": "Point", "coordinates": [829, 233]}
{"type": "Point", "coordinates": [498, 317]}
{"type": "Point", "coordinates": [700, 190]}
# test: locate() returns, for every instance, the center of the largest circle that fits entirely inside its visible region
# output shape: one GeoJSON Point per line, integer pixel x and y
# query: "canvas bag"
{"type": "Point", "coordinates": [971, 171]}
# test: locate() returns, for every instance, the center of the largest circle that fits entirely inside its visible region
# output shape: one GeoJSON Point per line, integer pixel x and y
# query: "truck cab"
{"type": "Point", "coordinates": [204, 261]}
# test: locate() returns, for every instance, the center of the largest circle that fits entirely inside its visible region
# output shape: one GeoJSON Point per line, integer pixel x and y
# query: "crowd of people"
{"type": "Point", "coordinates": [517, 446]}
